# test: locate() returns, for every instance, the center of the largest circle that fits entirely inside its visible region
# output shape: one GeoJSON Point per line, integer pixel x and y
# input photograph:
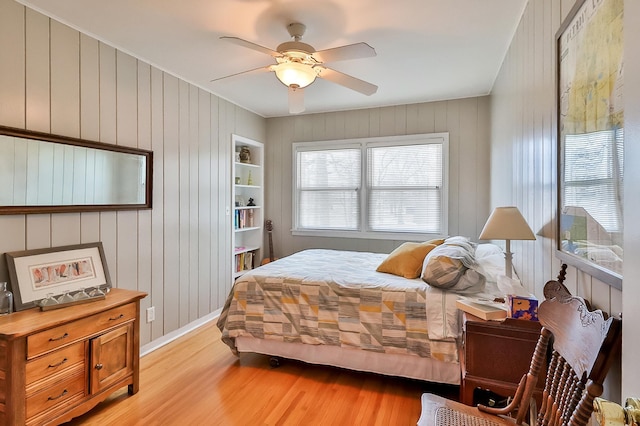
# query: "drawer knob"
{"type": "Point", "coordinates": [99, 366]}
{"type": "Point", "coordinates": [64, 336]}
{"type": "Point", "coordinates": [58, 364]}
{"type": "Point", "coordinates": [53, 398]}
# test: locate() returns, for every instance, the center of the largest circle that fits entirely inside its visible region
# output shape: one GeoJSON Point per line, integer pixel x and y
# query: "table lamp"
{"type": "Point", "coordinates": [506, 223]}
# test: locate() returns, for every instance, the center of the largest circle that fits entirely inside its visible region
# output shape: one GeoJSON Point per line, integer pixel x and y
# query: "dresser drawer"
{"type": "Point", "coordinates": [54, 363]}
{"type": "Point", "coordinates": [70, 387]}
{"type": "Point", "coordinates": [53, 338]}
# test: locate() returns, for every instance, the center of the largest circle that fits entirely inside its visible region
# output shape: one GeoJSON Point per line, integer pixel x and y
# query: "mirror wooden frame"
{"type": "Point", "coordinates": [66, 140]}
{"type": "Point", "coordinates": [568, 37]}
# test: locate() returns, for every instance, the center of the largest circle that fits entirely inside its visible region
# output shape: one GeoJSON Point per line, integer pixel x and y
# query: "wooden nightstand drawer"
{"type": "Point", "coordinates": [70, 387]}
{"type": "Point", "coordinates": [56, 337]}
{"type": "Point", "coordinates": [55, 363]}
{"type": "Point", "coordinates": [500, 351]}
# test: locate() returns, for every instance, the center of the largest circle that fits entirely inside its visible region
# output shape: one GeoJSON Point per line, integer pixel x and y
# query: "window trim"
{"type": "Point", "coordinates": [363, 144]}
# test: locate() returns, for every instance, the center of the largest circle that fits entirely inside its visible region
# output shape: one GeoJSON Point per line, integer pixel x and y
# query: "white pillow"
{"type": "Point", "coordinates": [447, 263]}
{"type": "Point", "coordinates": [484, 250]}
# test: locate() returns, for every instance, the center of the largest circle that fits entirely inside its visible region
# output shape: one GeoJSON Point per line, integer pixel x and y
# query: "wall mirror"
{"type": "Point", "coordinates": [44, 173]}
{"type": "Point", "coordinates": [591, 140]}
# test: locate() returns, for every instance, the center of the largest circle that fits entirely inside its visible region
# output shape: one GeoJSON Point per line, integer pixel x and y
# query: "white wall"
{"type": "Point", "coordinates": [55, 79]}
{"type": "Point", "coordinates": [466, 120]}
{"type": "Point", "coordinates": [523, 158]}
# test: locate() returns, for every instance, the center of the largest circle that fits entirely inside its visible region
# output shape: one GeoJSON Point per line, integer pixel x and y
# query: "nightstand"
{"type": "Point", "coordinates": [496, 354]}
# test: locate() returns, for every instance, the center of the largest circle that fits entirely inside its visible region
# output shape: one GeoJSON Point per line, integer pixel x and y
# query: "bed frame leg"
{"type": "Point", "coordinates": [274, 362]}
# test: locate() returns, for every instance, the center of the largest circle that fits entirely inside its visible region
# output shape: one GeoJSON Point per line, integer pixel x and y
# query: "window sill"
{"type": "Point", "coordinates": [367, 235]}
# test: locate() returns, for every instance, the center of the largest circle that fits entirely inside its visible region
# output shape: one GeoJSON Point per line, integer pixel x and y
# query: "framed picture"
{"type": "Point", "coordinates": [589, 47]}
{"type": "Point", "coordinates": [35, 274]}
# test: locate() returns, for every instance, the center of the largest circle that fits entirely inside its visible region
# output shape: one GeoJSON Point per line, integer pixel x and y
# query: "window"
{"type": "Point", "coordinates": [390, 187]}
{"type": "Point", "coordinates": [591, 203]}
{"type": "Point", "coordinates": [593, 172]}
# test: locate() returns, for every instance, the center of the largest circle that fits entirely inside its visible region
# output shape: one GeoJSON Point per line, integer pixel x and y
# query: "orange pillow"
{"type": "Point", "coordinates": [406, 261]}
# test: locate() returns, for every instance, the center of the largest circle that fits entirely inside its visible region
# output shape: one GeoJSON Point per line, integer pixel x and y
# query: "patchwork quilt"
{"type": "Point", "coordinates": [330, 297]}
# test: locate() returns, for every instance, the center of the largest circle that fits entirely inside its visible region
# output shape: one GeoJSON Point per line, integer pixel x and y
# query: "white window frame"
{"type": "Point", "coordinates": [363, 144]}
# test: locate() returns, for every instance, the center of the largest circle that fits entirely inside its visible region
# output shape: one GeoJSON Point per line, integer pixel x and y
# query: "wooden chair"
{"type": "Point", "coordinates": [584, 345]}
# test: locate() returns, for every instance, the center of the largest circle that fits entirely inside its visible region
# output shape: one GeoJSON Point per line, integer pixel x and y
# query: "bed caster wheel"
{"type": "Point", "coordinates": [274, 362]}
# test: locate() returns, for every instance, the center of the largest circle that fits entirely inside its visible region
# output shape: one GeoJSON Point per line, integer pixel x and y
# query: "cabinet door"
{"type": "Point", "coordinates": [111, 357]}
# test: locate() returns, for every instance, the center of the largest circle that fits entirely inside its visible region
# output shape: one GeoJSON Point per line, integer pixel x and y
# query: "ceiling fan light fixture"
{"type": "Point", "coordinates": [295, 73]}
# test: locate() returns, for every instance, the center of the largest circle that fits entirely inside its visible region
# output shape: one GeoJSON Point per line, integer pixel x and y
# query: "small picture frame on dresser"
{"type": "Point", "coordinates": [35, 275]}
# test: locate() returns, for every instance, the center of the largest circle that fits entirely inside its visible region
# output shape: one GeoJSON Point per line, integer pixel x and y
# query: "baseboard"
{"type": "Point", "coordinates": [170, 337]}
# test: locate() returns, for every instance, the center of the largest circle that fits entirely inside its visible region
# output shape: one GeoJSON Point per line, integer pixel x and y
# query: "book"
{"type": "Point", "coordinates": [486, 310]}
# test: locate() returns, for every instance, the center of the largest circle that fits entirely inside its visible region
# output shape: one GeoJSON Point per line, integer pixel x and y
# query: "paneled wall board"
{"type": "Point", "coordinates": [157, 295]}
{"type": "Point", "coordinates": [12, 48]}
{"type": "Point", "coordinates": [89, 88]}
{"type": "Point", "coordinates": [171, 188]}
{"type": "Point", "coordinates": [193, 189]}
{"type": "Point", "coordinates": [184, 205]}
{"type": "Point", "coordinates": [144, 243]}
{"type": "Point", "coordinates": [65, 72]}
{"type": "Point", "coordinates": [205, 253]}
{"type": "Point", "coordinates": [216, 207]}
{"type": "Point", "coordinates": [58, 80]}
{"type": "Point", "coordinates": [37, 105]}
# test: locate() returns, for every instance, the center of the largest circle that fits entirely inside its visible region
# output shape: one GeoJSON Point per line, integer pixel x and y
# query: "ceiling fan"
{"type": "Point", "coordinates": [298, 64]}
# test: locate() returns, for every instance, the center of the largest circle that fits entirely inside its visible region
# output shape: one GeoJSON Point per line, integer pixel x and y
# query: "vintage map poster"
{"type": "Point", "coordinates": [591, 69]}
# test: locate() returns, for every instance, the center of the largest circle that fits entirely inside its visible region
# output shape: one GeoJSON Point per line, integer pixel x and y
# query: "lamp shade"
{"type": "Point", "coordinates": [506, 223]}
{"type": "Point", "coordinates": [295, 73]}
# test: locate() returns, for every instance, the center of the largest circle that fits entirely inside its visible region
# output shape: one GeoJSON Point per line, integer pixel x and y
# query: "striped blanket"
{"type": "Point", "coordinates": [329, 297]}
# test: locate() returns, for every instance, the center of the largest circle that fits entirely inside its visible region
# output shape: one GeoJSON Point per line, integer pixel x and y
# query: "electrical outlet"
{"type": "Point", "coordinates": [151, 314]}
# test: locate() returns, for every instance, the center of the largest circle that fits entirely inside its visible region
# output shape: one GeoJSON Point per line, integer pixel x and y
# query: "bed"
{"type": "Point", "coordinates": [332, 307]}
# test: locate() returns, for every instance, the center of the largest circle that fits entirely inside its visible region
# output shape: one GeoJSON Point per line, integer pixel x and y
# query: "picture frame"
{"type": "Point", "coordinates": [590, 139]}
{"type": "Point", "coordinates": [36, 274]}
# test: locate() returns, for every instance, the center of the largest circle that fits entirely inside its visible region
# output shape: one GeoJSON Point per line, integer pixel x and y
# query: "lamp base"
{"type": "Point", "coordinates": [508, 259]}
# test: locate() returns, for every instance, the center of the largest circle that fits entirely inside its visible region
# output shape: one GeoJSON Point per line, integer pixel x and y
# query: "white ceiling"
{"type": "Point", "coordinates": [427, 50]}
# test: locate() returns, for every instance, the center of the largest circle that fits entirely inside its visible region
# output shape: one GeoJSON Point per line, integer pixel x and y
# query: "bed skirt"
{"type": "Point", "coordinates": [401, 365]}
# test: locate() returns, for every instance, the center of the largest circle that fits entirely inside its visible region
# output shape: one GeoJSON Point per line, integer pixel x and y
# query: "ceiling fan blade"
{"type": "Point", "coordinates": [296, 100]}
{"type": "Point", "coordinates": [261, 69]}
{"type": "Point", "coordinates": [347, 81]}
{"type": "Point", "coordinates": [250, 45]}
{"type": "Point", "coordinates": [342, 53]}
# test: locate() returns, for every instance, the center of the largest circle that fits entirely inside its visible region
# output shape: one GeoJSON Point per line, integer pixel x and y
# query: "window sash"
{"type": "Point", "coordinates": [593, 173]}
{"type": "Point", "coordinates": [367, 197]}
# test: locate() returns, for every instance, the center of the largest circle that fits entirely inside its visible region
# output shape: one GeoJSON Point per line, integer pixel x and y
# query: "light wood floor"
{"type": "Point", "coordinates": [196, 380]}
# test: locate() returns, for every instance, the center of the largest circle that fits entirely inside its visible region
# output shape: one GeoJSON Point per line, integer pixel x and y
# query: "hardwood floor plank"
{"type": "Point", "coordinates": [196, 380]}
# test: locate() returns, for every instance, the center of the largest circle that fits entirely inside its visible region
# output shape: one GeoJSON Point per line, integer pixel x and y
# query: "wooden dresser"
{"type": "Point", "coordinates": [58, 364]}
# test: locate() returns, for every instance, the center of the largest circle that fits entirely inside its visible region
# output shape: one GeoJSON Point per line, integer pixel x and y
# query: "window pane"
{"type": "Point", "coordinates": [405, 210]}
{"type": "Point", "coordinates": [328, 181]}
{"type": "Point", "coordinates": [338, 168]}
{"type": "Point", "coordinates": [408, 165]}
{"type": "Point", "coordinates": [593, 176]}
{"type": "Point", "coordinates": [591, 156]}
{"type": "Point", "coordinates": [329, 210]}
{"type": "Point", "coordinates": [405, 188]}
{"type": "Point", "coordinates": [598, 200]}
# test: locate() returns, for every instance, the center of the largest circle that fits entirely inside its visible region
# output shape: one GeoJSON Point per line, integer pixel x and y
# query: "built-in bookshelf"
{"type": "Point", "coordinates": [248, 201]}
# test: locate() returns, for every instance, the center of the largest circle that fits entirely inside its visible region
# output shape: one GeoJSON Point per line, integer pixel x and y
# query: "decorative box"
{"type": "Point", "coordinates": [522, 307]}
